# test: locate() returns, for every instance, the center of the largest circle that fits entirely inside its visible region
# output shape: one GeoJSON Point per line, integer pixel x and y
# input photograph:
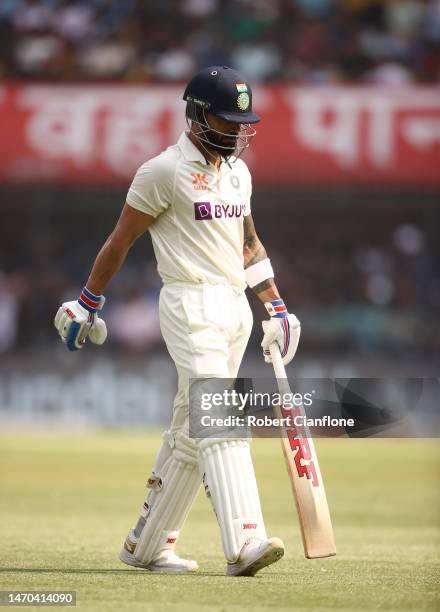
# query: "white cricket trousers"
{"type": "Point", "coordinates": [206, 329]}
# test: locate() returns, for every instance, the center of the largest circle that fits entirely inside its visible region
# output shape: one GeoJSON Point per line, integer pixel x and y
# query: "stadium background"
{"type": "Point", "coordinates": [346, 184]}
{"type": "Point", "coordinates": [346, 199]}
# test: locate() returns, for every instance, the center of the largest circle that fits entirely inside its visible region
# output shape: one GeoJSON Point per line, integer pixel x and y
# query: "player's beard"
{"type": "Point", "coordinates": [226, 144]}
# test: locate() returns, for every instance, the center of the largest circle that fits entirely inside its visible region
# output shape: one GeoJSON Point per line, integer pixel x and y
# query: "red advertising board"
{"type": "Point", "coordinates": [100, 134]}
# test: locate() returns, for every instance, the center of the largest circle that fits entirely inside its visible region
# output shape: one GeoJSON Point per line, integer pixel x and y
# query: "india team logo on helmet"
{"type": "Point", "coordinates": [243, 101]}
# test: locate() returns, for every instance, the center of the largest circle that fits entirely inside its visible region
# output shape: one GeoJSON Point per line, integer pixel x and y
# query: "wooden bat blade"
{"type": "Point", "coordinates": [309, 493]}
{"type": "Point", "coordinates": [304, 473]}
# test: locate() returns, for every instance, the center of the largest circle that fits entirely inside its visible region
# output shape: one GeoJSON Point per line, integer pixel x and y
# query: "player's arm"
{"type": "Point", "coordinates": [282, 327]}
{"type": "Point", "coordinates": [78, 319]}
{"type": "Point", "coordinates": [254, 253]}
{"type": "Point", "coordinates": [131, 224]}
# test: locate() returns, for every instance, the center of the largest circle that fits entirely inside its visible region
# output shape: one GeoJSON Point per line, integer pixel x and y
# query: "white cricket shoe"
{"type": "Point", "coordinates": [166, 561]}
{"type": "Point", "coordinates": [255, 555]}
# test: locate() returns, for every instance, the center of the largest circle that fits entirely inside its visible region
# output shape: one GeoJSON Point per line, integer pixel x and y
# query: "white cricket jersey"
{"type": "Point", "coordinates": [198, 231]}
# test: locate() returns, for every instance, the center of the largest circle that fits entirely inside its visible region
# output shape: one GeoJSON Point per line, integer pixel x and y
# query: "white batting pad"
{"type": "Point", "coordinates": [230, 482]}
{"type": "Point", "coordinates": [174, 485]}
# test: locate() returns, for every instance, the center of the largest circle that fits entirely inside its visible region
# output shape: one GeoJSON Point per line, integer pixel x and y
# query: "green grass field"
{"type": "Point", "coordinates": [67, 502]}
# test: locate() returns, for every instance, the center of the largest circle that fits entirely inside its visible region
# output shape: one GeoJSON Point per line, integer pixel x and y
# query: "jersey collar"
{"type": "Point", "coordinates": [189, 150]}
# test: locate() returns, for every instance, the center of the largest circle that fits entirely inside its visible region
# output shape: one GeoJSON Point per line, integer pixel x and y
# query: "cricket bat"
{"type": "Point", "coordinates": [305, 475]}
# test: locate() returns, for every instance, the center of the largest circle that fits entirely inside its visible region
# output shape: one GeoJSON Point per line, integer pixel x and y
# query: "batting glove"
{"type": "Point", "coordinates": [77, 320]}
{"type": "Point", "coordinates": [283, 328]}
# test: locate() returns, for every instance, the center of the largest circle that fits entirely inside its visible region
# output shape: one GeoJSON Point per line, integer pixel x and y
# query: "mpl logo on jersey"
{"type": "Point", "coordinates": [199, 180]}
{"type": "Point", "coordinates": [204, 211]}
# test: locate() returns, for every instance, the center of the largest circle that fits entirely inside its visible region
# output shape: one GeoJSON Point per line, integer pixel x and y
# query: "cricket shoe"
{"type": "Point", "coordinates": [166, 560]}
{"type": "Point", "coordinates": [255, 555]}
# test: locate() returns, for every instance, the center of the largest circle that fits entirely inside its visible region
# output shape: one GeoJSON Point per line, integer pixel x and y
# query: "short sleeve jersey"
{"type": "Point", "coordinates": [198, 229]}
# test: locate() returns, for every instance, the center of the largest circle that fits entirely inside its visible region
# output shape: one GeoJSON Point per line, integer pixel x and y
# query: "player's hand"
{"type": "Point", "coordinates": [77, 320]}
{"type": "Point", "coordinates": [283, 328]}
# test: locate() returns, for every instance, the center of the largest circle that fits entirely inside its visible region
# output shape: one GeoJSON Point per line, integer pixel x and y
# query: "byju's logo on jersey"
{"type": "Point", "coordinates": [204, 211]}
{"type": "Point", "coordinates": [199, 180]}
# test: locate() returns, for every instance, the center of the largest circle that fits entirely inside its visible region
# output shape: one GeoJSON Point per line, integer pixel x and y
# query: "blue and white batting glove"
{"type": "Point", "coordinates": [283, 328]}
{"type": "Point", "coordinates": [77, 320]}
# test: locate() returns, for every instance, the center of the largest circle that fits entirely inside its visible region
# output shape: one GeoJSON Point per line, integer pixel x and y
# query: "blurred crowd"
{"type": "Point", "coordinates": [356, 286]}
{"type": "Point", "coordinates": [390, 42]}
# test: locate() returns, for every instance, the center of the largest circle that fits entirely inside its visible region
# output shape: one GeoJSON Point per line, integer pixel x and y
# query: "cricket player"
{"type": "Point", "coordinates": [194, 199]}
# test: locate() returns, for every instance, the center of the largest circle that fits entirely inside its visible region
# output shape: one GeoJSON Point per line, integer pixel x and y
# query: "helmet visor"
{"type": "Point", "coordinates": [249, 117]}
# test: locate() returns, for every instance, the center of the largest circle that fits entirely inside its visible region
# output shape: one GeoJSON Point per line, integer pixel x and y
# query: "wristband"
{"type": "Point", "coordinates": [90, 301]}
{"type": "Point", "coordinates": [276, 308]}
{"type": "Point", "coordinates": [259, 272]}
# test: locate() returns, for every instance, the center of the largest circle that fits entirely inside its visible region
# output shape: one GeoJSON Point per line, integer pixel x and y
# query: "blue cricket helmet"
{"type": "Point", "coordinates": [223, 92]}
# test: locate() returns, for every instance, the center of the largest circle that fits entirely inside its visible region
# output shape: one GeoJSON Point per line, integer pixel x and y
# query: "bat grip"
{"type": "Point", "coordinates": [279, 369]}
{"type": "Point", "coordinates": [277, 361]}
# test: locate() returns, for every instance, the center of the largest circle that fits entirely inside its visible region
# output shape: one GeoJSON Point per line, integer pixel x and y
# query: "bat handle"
{"type": "Point", "coordinates": [277, 361]}
{"type": "Point", "coordinates": [279, 369]}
